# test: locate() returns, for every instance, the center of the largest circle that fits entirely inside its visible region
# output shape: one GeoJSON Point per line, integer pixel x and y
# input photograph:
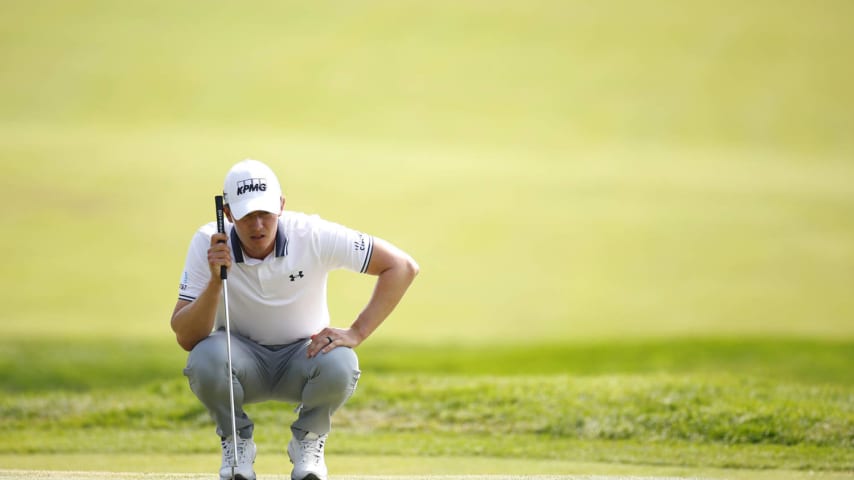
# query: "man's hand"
{"type": "Point", "coordinates": [329, 338]}
{"type": "Point", "coordinates": [218, 255]}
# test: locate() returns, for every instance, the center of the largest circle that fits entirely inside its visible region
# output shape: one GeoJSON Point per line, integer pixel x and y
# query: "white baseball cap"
{"type": "Point", "coordinates": [250, 186]}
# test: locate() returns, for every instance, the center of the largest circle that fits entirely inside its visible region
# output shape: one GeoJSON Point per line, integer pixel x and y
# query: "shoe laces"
{"type": "Point", "coordinates": [243, 451]}
{"type": "Point", "coordinates": [311, 448]}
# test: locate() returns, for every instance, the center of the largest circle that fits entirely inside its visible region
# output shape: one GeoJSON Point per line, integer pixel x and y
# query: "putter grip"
{"type": "Point", "coordinates": [220, 227]}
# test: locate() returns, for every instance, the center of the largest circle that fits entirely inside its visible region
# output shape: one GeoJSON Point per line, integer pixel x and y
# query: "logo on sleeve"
{"type": "Point", "coordinates": [251, 185]}
{"type": "Point", "coordinates": [359, 245]}
{"type": "Point", "coordinates": [185, 280]}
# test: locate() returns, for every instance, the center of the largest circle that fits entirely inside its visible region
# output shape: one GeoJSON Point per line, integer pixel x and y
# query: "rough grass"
{"type": "Point", "coordinates": [665, 429]}
{"type": "Point", "coordinates": [762, 414]}
{"type": "Point", "coordinates": [656, 408]}
{"type": "Point", "coordinates": [79, 365]}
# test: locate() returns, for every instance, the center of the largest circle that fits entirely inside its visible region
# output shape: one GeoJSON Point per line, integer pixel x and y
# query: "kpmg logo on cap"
{"type": "Point", "coordinates": [251, 185]}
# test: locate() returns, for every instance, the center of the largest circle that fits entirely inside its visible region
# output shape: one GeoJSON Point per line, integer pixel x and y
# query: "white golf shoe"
{"type": "Point", "coordinates": [245, 458]}
{"type": "Point", "coordinates": [307, 457]}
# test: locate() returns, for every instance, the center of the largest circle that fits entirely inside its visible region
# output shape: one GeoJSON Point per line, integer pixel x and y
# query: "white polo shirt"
{"type": "Point", "coordinates": [282, 298]}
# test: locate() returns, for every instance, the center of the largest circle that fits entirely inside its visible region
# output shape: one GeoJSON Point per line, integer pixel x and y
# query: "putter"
{"type": "Point", "coordinates": [223, 274]}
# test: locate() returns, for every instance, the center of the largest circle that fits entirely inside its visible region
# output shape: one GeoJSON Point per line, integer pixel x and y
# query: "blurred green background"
{"type": "Point", "coordinates": [661, 186]}
{"type": "Point", "coordinates": [560, 170]}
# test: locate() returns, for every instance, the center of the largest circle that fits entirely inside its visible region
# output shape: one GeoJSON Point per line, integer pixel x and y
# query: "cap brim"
{"type": "Point", "coordinates": [263, 204]}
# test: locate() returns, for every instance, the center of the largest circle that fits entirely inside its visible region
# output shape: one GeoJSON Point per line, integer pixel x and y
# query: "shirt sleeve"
{"type": "Point", "coordinates": [343, 247]}
{"type": "Point", "coordinates": [196, 274]}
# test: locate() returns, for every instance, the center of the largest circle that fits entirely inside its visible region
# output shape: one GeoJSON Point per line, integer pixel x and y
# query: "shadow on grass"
{"type": "Point", "coordinates": [43, 365]}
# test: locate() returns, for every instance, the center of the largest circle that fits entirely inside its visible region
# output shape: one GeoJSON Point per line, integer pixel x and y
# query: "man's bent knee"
{"type": "Point", "coordinates": [339, 368]}
{"type": "Point", "coordinates": [207, 361]}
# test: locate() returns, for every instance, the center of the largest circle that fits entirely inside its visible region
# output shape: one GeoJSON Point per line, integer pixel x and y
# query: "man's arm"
{"type": "Point", "coordinates": [395, 271]}
{"type": "Point", "coordinates": [193, 321]}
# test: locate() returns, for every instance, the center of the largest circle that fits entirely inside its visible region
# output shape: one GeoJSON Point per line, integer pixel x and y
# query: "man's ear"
{"type": "Point", "coordinates": [227, 212]}
{"type": "Point", "coordinates": [282, 208]}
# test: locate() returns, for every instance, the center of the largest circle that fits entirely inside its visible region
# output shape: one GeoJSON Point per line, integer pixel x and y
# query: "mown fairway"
{"type": "Point", "coordinates": [635, 222]}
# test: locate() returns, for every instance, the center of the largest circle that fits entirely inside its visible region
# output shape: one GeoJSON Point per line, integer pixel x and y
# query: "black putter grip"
{"type": "Point", "coordinates": [220, 227]}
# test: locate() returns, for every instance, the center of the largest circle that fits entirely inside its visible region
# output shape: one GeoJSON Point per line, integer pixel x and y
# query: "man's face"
{"type": "Point", "coordinates": [257, 232]}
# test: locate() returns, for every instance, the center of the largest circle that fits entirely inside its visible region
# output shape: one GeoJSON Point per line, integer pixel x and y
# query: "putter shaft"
{"type": "Point", "coordinates": [230, 380]}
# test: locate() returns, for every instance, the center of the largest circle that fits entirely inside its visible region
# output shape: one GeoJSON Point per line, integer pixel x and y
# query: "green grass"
{"type": "Point", "coordinates": [585, 171]}
{"type": "Point", "coordinates": [42, 366]}
{"type": "Point", "coordinates": [635, 222]}
{"type": "Point", "coordinates": [668, 421]}
{"type": "Point", "coordinates": [571, 405]}
{"type": "Point", "coordinates": [526, 73]}
{"type": "Point", "coordinates": [378, 468]}
{"type": "Point", "coordinates": [707, 409]}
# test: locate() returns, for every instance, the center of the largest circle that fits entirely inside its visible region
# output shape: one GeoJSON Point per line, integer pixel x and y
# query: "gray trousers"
{"type": "Point", "coordinates": [260, 373]}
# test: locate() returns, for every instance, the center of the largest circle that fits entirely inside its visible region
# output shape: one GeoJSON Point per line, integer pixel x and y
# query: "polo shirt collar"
{"type": "Point", "coordinates": [281, 243]}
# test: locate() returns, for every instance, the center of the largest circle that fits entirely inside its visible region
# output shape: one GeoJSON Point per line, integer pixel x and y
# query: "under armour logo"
{"type": "Point", "coordinates": [298, 275]}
